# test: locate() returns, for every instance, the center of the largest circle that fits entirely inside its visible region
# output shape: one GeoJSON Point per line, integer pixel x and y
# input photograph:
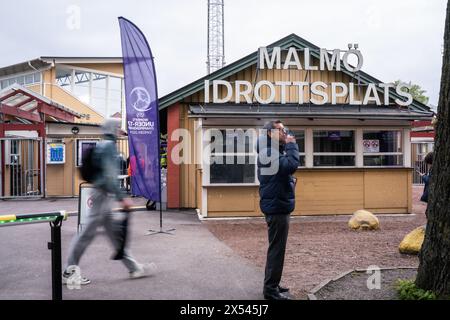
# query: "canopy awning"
{"type": "Point", "coordinates": [28, 106]}
{"type": "Point", "coordinates": [343, 111]}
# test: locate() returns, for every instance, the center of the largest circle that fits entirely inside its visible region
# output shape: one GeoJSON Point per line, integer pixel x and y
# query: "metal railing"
{"type": "Point", "coordinates": [21, 167]}
{"type": "Point", "coordinates": [55, 219]}
{"type": "Point", "coordinates": [420, 166]}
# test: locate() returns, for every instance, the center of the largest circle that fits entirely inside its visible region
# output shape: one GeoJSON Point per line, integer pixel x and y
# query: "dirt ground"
{"type": "Point", "coordinates": [320, 248]}
{"type": "Point", "coordinates": [353, 286]}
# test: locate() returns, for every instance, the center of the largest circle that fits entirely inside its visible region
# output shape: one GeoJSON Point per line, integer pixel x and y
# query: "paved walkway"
{"type": "Point", "coordinates": [192, 264]}
{"type": "Point", "coordinates": [48, 205]}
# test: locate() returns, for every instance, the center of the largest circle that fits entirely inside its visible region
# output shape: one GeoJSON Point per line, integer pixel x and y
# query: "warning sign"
{"type": "Point", "coordinates": [371, 146]}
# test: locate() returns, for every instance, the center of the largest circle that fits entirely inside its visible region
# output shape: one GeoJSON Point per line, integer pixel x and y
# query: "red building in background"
{"type": "Point", "coordinates": [422, 142]}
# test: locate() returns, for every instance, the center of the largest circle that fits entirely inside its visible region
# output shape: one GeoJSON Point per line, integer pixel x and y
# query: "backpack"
{"type": "Point", "coordinates": [90, 168]}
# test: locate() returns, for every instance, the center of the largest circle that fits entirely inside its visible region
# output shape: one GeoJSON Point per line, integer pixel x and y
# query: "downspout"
{"type": "Point", "coordinates": [41, 83]}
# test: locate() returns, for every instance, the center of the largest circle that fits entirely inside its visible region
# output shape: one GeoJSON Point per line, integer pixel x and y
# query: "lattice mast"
{"type": "Point", "coordinates": [216, 37]}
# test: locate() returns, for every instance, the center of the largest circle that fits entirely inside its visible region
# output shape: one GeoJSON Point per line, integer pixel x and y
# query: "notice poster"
{"type": "Point", "coordinates": [56, 153]}
{"type": "Point", "coordinates": [371, 146]}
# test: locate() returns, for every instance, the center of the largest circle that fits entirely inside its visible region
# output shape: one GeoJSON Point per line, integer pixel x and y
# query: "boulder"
{"type": "Point", "coordinates": [363, 220]}
{"type": "Point", "coordinates": [412, 242]}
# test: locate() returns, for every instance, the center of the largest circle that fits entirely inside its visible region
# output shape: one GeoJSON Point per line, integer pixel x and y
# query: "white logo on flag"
{"type": "Point", "coordinates": [140, 99]}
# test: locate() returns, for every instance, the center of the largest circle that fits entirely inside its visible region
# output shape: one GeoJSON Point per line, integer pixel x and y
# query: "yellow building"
{"type": "Point", "coordinates": [352, 156]}
{"type": "Point", "coordinates": [78, 93]}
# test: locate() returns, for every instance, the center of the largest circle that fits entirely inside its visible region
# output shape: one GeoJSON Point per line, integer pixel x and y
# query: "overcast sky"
{"type": "Point", "coordinates": [399, 39]}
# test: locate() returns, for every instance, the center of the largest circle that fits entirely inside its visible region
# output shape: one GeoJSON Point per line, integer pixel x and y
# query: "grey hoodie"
{"type": "Point", "coordinates": [107, 156]}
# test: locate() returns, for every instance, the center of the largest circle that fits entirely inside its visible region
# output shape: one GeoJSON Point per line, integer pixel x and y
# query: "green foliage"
{"type": "Point", "coordinates": [416, 91]}
{"type": "Point", "coordinates": [407, 290]}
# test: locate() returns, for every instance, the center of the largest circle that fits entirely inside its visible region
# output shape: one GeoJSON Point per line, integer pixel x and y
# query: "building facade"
{"type": "Point", "coordinates": [41, 149]}
{"type": "Point", "coordinates": [352, 156]}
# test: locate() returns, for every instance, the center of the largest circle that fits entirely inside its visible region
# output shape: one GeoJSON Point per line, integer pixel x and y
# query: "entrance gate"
{"type": "Point", "coordinates": [21, 167]}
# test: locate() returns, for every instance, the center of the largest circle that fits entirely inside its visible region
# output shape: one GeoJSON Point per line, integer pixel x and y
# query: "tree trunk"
{"type": "Point", "coordinates": [434, 268]}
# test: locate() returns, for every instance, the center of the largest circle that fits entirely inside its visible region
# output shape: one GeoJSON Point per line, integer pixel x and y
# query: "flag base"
{"type": "Point", "coordinates": [153, 232]}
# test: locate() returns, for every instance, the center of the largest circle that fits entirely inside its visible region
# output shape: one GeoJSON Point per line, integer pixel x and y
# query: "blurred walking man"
{"type": "Point", "coordinates": [278, 159]}
{"type": "Point", "coordinates": [106, 183]}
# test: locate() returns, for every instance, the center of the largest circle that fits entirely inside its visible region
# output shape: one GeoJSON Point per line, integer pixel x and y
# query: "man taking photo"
{"type": "Point", "coordinates": [278, 159]}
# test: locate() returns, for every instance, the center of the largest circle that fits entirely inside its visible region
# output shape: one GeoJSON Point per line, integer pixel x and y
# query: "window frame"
{"type": "Point", "coordinates": [206, 180]}
{"type": "Point", "coordinates": [309, 153]}
{"type": "Point", "coordinates": [402, 145]}
{"type": "Point", "coordinates": [11, 79]}
{"type": "Point", "coordinates": [108, 75]}
{"type": "Point", "coordinates": [79, 150]}
{"type": "Point", "coordinates": [354, 154]}
{"type": "Point", "coordinates": [295, 129]}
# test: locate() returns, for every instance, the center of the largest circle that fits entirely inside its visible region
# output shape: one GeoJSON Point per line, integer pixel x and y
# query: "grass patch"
{"type": "Point", "coordinates": [407, 290]}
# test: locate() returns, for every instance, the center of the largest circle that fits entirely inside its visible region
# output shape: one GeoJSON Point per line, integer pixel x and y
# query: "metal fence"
{"type": "Point", "coordinates": [21, 167]}
{"type": "Point", "coordinates": [419, 151]}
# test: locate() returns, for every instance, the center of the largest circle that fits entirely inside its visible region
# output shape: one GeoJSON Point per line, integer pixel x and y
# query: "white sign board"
{"type": "Point", "coordinates": [56, 153]}
{"type": "Point", "coordinates": [371, 146]}
{"type": "Point", "coordinates": [86, 204]}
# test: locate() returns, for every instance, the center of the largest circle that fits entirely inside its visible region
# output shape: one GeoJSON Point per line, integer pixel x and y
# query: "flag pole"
{"type": "Point", "coordinates": [140, 79]}
{"type": "Point", "coordinates": [151, 231]}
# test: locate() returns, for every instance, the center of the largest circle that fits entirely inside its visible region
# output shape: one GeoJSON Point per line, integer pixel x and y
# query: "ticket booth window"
{"type": "Point", "coordinates": [383, 148]}
{"type": "Point", "coordinates": [233, 159]}
{"type": "Point", "coordinates": [334, 148]}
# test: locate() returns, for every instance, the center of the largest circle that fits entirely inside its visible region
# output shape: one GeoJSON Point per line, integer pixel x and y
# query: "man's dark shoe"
{"type": "Point", "coordinates": [276, 296]}
{"type": "Point", "coordinates": [283, 289]}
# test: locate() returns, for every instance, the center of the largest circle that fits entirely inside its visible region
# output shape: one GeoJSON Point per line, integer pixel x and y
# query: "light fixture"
{"type": "Point", "coordinates": [75, 130]}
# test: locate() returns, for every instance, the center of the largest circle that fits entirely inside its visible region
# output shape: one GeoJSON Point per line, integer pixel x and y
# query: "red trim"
{"type": "Point", "coordinates": [21, 126]}
{"type": "Point", "coordinates": [422, 134]}
{"type": "Point", "coordinates": [13, 111]}
{"type": "Point", "coordinates": [42, 134]}
{"type": "Point", "coordinates": [421, 123]}
{"type": "Point", "coordinates": [55, 112]}
{"type": "Point", "coordinates": [9, 95]}
{"type": "Point", "coordinates": [23, 103]}
{"type": "Point", "coordinates": [42, 108]}
{"type": "Point", "coordinates": [173, 170]}
{"type": "Point", "coordinates": [2, 158]}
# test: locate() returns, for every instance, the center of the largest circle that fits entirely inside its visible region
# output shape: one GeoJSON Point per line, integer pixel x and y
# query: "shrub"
{"type": "Point", "coordinates": [407, 290]}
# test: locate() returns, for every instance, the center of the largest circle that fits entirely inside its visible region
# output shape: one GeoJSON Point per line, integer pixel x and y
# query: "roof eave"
{"type": "Point", "coordinates": [307, 116]}
{"type": "Point", "coordinates": [58, 60]}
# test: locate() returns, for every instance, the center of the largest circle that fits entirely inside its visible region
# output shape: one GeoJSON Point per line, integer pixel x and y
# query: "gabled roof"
{"type": "Point", "coordinates": [20, 102]}
{"type": "Point", "coordinates": [291, 40]}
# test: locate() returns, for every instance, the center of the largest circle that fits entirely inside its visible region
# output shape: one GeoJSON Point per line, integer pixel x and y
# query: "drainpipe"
{"type": "Point", "coordinates": [31, 66]}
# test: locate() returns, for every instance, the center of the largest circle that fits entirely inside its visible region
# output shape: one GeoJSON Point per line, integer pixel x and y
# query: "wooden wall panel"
{"type": "Point", "coordinates": [232, 200]}
{"type": "Point", "coordinates": [386, 189]}
{"type": "Point", "coordinates": [325, 192]}
{"type": "Point", "coordinates": [330, 192]}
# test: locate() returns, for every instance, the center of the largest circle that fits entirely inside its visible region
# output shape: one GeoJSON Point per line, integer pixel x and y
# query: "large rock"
{"type": "Point", "coordinates": [363, 220]}
{"type": "Point", "coordinates": [412, 242]}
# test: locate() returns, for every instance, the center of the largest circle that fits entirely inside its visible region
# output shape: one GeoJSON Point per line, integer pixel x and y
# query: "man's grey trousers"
{"type": "Point", "coordinates": [100, 215]}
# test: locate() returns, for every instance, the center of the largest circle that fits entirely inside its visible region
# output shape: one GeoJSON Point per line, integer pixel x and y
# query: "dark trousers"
{"type": "Point", "coordinates": [278, 228]}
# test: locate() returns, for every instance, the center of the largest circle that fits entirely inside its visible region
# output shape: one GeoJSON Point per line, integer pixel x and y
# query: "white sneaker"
{"type": "Point", "coordinates": [144, 270]}
{"type": "Point", "coordinates": [71, 278]}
